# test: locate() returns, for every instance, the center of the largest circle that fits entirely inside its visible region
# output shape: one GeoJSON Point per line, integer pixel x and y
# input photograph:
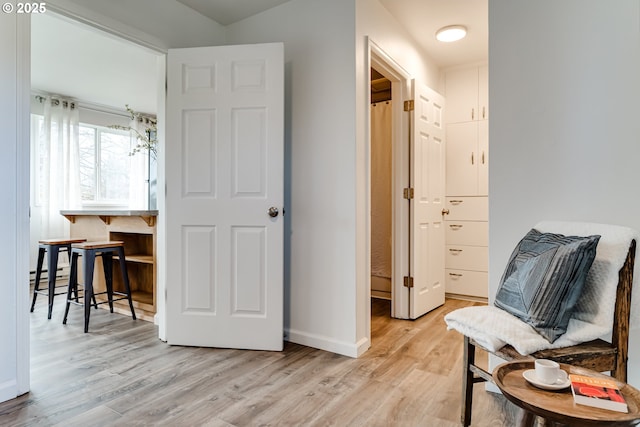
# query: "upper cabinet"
{"type": "Point", "coordinates": [467, 94]}
{"type": "Point", "coordinates": [467, 167]}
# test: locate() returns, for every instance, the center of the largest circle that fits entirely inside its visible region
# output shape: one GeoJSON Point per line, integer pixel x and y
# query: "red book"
{"type": "Point", "coordinates": [597, 392]}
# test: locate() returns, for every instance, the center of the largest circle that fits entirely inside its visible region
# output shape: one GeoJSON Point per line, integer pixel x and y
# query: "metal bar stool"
{"type": "Point", "coordinates": [89, 251]}
{"type": "Point", "coordinates": [53, 247]}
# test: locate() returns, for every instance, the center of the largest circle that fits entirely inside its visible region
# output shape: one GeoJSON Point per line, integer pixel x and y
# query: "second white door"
{"type": "Point", "coordinates": [427, 239]}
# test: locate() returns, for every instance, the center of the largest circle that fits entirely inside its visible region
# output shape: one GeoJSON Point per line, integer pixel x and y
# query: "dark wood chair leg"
{"type": "Point", "coordinates": [468, 359]}
{"type": "Point", "coordinates": [36, 288]}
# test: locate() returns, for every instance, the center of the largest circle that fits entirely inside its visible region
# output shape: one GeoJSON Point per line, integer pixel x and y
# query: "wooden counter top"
{"type": "Point", "coordinates": [109, 212]}
{"type": "Point", "coordinates": [149, 216]}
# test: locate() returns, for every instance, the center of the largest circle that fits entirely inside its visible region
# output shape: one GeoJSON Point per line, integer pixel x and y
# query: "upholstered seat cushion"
{"type": "Point", "coordinates": [592, 315]}
{"type": "Point", "coordinates": [544, 278]}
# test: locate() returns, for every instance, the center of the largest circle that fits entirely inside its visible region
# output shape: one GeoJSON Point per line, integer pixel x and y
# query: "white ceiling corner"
{"type": "Point", "coordinates": [227, 12]}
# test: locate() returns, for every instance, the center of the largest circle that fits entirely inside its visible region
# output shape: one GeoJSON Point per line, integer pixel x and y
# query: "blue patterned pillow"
{"type": "Point", "coordinates": [544, 278]}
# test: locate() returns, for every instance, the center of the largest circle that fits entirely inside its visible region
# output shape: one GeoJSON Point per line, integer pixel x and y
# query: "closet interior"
{"type": "Point", "coordinates": [381, 181]}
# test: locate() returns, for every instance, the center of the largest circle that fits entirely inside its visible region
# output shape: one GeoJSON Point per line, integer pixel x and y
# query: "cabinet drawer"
{"type": "Point", "coordinates": [470, 233]}
{"type": "Point", "coordinates": [467, 208]}
{"type": "Point", "coordinates": [467, 257]}
{"type": "Point", "coordinates": [472, 283]}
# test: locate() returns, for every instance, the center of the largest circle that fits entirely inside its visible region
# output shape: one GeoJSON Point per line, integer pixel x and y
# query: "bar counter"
{"type": "Point", "coordinates": [137, 229]}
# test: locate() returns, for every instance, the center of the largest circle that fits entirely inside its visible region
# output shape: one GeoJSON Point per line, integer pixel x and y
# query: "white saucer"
{"type": "Point", "coordinates": [563, 382]}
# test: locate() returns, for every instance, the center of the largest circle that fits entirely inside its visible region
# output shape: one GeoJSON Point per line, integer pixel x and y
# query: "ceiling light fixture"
{"type": "Point", "coordinates": [451, 33]}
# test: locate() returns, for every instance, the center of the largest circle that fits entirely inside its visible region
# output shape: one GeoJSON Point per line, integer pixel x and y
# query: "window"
{"type": "Point", "coordinates": [108, 175]}
{"type": "Point", "coordinates": [104, 164]}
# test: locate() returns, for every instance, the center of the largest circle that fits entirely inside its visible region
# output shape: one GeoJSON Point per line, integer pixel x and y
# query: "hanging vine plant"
{"type": "Point", "coordinates": [147, 140]}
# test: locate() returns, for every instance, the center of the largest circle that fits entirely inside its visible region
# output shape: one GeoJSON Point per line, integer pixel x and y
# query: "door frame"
{"type": "Point", "coordinates": [400, 131]}
{"type": "Point", "coordinates": [21, 267]}
{"type": "Point", "coordinates": [23, 42]}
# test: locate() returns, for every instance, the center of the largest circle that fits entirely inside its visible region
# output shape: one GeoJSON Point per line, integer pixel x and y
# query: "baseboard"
{"type": "Point", "coordinates": [328, 344]}
{"type": "Point", "coordinates": [466, 297]}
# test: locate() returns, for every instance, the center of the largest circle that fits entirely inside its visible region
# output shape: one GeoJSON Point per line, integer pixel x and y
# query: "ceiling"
{"type": "Point", "coordinates": [421, 18]}
{"type": "Point", "coordinates": [227, 12]}
{"type": "Point", "coordinates": [71, 59]}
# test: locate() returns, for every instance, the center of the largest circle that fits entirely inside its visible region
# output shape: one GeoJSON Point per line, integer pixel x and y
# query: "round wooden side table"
{"type": "Point", "coordinates": [558, 406]}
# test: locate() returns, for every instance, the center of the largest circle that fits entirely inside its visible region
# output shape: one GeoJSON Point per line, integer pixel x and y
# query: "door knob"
{"type": "Point", "coordinates": [273, 212]}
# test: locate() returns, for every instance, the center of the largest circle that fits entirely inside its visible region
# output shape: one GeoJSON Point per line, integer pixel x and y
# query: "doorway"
{"type": "Point", "coordinates": [390, 247]}
{"type": "Point", "coordinates": [95, 75]}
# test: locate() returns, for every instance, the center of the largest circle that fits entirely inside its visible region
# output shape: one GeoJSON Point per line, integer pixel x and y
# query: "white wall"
{"type": "Point", "coordinates": [326, 288]}
{"type": "Point", "coordinates": [565, 135]}
{"type": "Point", "coordinates": [14, 221]}
{"type": "Point", "coordinates": [374, 22]}
{"type": "Point", "coordinates": [320, 243]}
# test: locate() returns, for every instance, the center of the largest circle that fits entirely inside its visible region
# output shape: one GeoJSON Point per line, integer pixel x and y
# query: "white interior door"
{"type": "Point", "coordinates": [224, 151]}
{"type": "Point", "coordinates": [428, 182]}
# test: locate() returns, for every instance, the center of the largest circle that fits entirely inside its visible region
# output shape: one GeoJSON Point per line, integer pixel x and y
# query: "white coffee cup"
{"type": "Point", "coordinates": [548, 371]}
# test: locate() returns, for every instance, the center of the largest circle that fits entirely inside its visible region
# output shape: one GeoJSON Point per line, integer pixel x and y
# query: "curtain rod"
{"type": "Point", "coordinates": [86, 105]}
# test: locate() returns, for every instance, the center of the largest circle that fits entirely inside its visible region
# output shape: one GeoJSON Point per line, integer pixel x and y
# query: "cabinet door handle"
{"type": "Point", "coordinates": [473, 113]}
{"type": "Point", "coordinates": [483, 112]}
{"type": "Point", "coordinates": [455, 275]}
{"type": "Point", "coordinates": [455, 227]}
{"type": "Point", "coordinates": [455, 202]}
{"type": "Point", "coordinates": [483, 157]}
{"type": "Point", "coordinates": [472, 159]}
{"type": "Point", "coordinates": [455, 251]}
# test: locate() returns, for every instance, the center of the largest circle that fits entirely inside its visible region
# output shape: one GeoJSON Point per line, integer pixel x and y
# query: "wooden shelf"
{"type": "Point", "coordinates": [140, 258]}
{"type": "Point", "coordinates": [142, 298]}
{"type": "Point", "coordinates": [142, 303]}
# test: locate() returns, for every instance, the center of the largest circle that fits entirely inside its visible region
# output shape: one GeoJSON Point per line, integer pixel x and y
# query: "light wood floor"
{"type": "Point", "coordinates": [120, 374]}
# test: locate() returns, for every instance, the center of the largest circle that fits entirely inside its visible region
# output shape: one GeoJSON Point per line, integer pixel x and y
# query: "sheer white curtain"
{"type": "Point", "coordinates": [57, 165]}
{"type": "Point", "coordinates": [381, 155]}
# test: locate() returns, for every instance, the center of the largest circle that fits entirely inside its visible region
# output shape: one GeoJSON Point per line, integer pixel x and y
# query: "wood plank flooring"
{"type": "Point", "coordinates": [120, 374]}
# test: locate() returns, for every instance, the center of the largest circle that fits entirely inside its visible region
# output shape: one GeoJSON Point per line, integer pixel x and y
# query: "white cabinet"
{"type": "Point", "coordinates": [467, 183]}
{"type": "Point", "coordinates": [467, 94]}
{"type": "Point", "coordinates": [468, 159]}
{"type": "Point", "coordinates": [466, 253]}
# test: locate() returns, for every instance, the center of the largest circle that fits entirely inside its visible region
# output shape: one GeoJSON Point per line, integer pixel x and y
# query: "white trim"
{"type": "Point", "coordinates": [23, 129]}
{"type": "Point", "coordinates": [161, 230]}
{"type": "Point", "coordinates": [322, 342]}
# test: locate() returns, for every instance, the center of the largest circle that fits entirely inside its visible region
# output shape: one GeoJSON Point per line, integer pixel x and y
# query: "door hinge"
{"type": "Point", "coordinates": [407, 193]}
{"type": "Point", "coordinates": [408, 105]}
{"type": "Point", "coordinates": [408, 282]}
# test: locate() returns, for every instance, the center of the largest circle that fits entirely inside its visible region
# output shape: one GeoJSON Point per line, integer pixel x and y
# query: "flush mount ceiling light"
{"type": "Point", "coordinates": [451, 33]}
